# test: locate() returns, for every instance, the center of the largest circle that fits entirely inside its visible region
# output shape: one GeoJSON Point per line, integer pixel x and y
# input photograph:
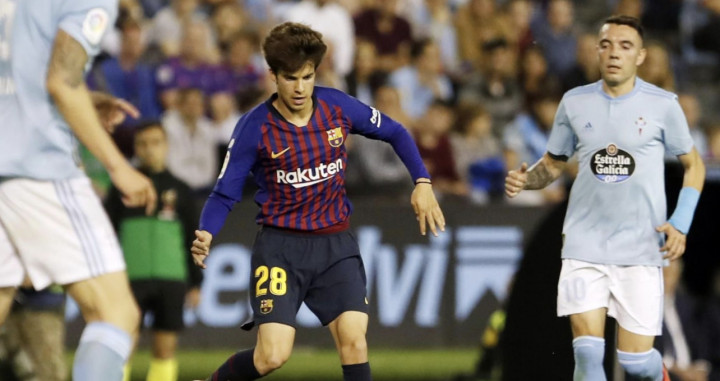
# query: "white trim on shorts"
{"type": "Point", "coordinates": [59, 232]}
{"type": "Point", "coordinates": [633, 295]}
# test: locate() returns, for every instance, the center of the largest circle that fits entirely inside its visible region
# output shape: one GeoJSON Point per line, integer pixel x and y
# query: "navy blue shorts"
{"type": "Point", "coordinates": [289, 268]}
{"type": "Point", "coordinates": [165, 299]}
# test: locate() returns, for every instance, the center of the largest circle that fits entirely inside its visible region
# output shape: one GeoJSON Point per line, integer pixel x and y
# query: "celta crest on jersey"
{"type": "Point", "coordinates": [303, 177]}
{"type": "Point", "coordinates": [612, 165]}
{"type": "Point", "coordinates": [335, 137]}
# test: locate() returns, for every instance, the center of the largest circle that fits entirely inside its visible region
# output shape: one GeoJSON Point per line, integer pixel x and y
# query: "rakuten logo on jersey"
{"type": "Point", "coordinates": [301, 178]}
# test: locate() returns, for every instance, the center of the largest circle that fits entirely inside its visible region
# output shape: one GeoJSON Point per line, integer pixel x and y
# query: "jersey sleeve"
{"type": "Point", "coordinates": [562, 140]}
{"type": "Point", "coordinates": [239, 160]}
{"type": "Point", "coordinates": [676, 133]}
{"type": "Point", "coordinates": [87, 21]}
{"type": "Point", "coordinates": [371, 123]}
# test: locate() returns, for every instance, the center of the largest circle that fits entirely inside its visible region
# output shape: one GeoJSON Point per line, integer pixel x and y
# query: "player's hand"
{"type": "Point", "coordinates": [427, 209]}
{"type": "Point", "coordinates": [201, 247]}
{"type": "Point", "coordinates": [136, 189]}
{"type": "Point", "coordinates": [674, 243]}
{"type": "Point", "coordinates": [112, 111]}
{"type": "Point", "coordinates": [516, 180]}
{"type": "Point", "coordinates": [192, 298]}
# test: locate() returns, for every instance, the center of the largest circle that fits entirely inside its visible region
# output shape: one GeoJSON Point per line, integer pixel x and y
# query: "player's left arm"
{"type": "Point", "coordinates": [678, 226]}
{"type": "Point", "coordinates": [371, 123]}
{"type": "Point", "coordinates": [111, 110]}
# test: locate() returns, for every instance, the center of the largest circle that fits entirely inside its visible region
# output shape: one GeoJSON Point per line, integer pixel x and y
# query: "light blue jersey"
{"type": "Point", "coordinates": [35, 141]}
{"type": "Point", "coordinates": [618, 198]}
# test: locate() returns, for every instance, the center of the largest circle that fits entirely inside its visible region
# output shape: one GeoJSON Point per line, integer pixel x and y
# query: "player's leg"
{"type": "Point", "coordinates": [11, 272]}
{"type": "Point", "coordinates": [163, 365]}
{"type": "Point", "coordinates": [112, 318]}
{"type": "Point", "coordinates": [6, 298]}
{"type": "Point", "coordinates": [583, 294]}
{"type": "Point", "coordinates": [348, 331]}
{"type": "Point", "coordinates": [637, 297]}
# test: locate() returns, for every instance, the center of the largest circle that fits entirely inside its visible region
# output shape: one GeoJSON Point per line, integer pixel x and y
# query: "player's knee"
{"type": "Point", "coordinates": [589, 351]}
{"type": "Point", "coordinates": [644, 366]}
{"type": "Point", "coordinates": [268, 361]}
{"type": "Point", "coordinates": [356, 347]}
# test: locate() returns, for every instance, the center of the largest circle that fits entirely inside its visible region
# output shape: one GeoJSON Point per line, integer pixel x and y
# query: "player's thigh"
{"type": "Point", "coordinates": [633, 342]}
{"type": "Point", "coordinates": [636, 300]}
{"type": "Point", "coordinates": [349, 330]}
{"type": "Point", "coordinates": [6, 299]}
{"type": "Point", "coordinates": [274, 344]}
{"type": "Point", "coordinates": [583, 294]}
{"type": "Point", "coordinates": [59, 229]}
{"type": "Point", "coordinates": [340, 288]}
{"type": "Point", "coordinates": [107, 298]}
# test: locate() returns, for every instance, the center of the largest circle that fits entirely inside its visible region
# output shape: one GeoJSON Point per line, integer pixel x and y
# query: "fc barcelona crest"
{"type": "Point", "coordinates": [335, 137]}
{"type": "Point", "coordinates": [266, 305]}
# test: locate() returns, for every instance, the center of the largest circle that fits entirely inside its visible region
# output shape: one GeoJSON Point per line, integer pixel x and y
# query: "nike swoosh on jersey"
{"type": "Point", "coordinates": [276, 155]}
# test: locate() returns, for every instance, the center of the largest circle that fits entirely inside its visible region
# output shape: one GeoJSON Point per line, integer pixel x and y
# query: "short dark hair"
{"type": "Point", "coordinates": [148, 125]}
{"type": "Point", "coordinates": [630, 21]}
{"type": "Point", "coordinates": [290, 45]}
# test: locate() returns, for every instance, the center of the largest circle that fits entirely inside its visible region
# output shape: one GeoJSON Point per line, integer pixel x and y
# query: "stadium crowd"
{"type": "Point", "coordinates": [477, 82]}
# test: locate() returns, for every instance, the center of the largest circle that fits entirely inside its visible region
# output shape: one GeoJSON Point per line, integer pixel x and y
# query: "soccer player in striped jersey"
{"type": "Point", "coordinates": [616, 235]}
{"type": "Point", "coordinates": [293, 145]}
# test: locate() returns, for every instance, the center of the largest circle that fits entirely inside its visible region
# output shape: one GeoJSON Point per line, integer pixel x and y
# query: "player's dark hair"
{"type": "Point", "coordinates": [417, 48]}
{"type": "Point", "coordinates": [148, 125]}
{"type": "Point", "coordinates": [630, 21]}
{"type": "Point", "coordinates": [289, 46]}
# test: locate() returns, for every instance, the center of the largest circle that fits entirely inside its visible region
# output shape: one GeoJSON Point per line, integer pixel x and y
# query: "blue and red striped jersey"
{"type": "Point", "coordinates": [300, 170]}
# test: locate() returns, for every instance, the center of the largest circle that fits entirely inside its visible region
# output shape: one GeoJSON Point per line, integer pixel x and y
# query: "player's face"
{"type": "Point", "coordinates": [295, 89]}
{"type": "Point", "coordinates": [620, 52]}
{"type": "Point", "coordinates": [151, 148]}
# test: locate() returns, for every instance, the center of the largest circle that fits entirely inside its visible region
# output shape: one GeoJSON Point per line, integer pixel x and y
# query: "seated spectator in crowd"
{"type": "Point", "coordinates": [387, 31]}
{"type": "Point", "coordinates": [657, 68]}
{"type": "Point", "coordinates": [525, 141]}
{"type": "Point", "coordinates": [519, 15]}
{"type": "Point", "coordinates": [478, 22]}
{"type": "Point", "coordinates": [374, 162]}
{"type": "Point", "coordinates": [713, 135]}
{"type": "Point", "coordinates": [683, 343]}
{"type": "Point", "coordinates": [335, 24]}
{"type": "Point", "coordinates": [365, 76]}
{"type": "Point", "coordinates": [693, 113]}
{"type": "Point", "coordinates": [495, 86]}
{"type": "Point", "coordinates": [227, 20]}
{"type": "Point", "coordinates": [167, 25]}
{"type": "Point", "coordinates": [191, 141]}
{"type": "Point", "coordinates": [240, 71]}
{"type": "Point", "coordinates": [225, 115]}
{"type": "Point", "coordinates": [534, 77]}
{"type": "Point", "coordinates": [423, 80]}
{"type": "Point", "coordinates": [432, 136]}
{"type": "Point", "coordinates": [477, 153]}
{"type": "Point", "coordinates": [434, 19]}
{"type": "Point", "coordinates": [190, 69]}
{"type": "Point", "coordinates": [555, 34]}
{"type": "Point", "coordinates": [586, 68]}
{"type": "Point", "coordinates": [325, 73]}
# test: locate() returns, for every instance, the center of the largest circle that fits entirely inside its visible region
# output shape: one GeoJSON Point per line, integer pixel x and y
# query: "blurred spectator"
{"type": "Point", "coordinates": [225, 115]}
{"type": "Point", "coordinates": [682, 340]}
{"type": "Point", "coordinates": [191, 141]}
{"type": "Point", "coordinates": [695, 21]}
{"type": "Point", "coordinates": [228, 19]}
{"type": "Point", "coordinates": [477, 22]}
{"type": "Point", "coordinates": [519, 14]}
{"type": "Point", "coordinates": [162, 275]}
{"type": "Point", "coordinates": [495, 86]}
{"type": "Point", "coordinates": [128, 10]}
{"type": "Point", "coordinates": [423, 80]}
{"type": "Point", "coordinates": [657, 69]}
{"type": "Point", "coordinates": [525, 141]}
{"type": "Point", "coordinates": [693, 112]}
{"type": "Point", "coordinates": [477, 153]}
{"type": "Point", "coordinates": [325, 73]}
{"type": "Point", "coordinates": [241, 71]}
{"type": "Point", "coordinates": [387, 31]}
{"type": "Point", "coordinates": [365, 76]}
{"type": "Point", "coordinates": [335, 24]}
{"type": "Point", "coordinates": [534, 76]}
{"type": "Point", "coordinates": [126, 76]}
{"type": "Point", "coordinates": [190, 69]}
{"type": "Point", "coordinates": [376, 163]}
{"type": "Point", "coordinates": [633, 8]}
{"type": "Point", "coordinates": [555, 34]}
{"type": "Point", "coordinates": [713, 135]}
{"type": "Point", "coordinates": [433, 140]}
{"type": "Point", "coordinates": [586, 68]}
{"type": "Point", "coordinates": [167, 24]}
{"type": "Point", "coordinates": [434, 19]}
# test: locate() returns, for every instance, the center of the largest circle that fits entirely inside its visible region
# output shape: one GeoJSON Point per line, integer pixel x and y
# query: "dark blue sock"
{"type": "Point", "coordinates": [357, 372]}
{"type": "Point", "coordinates": [238, 367]}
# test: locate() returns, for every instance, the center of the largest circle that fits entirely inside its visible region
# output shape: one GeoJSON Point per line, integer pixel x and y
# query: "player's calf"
{"type": "Point", "coordinates": [589, 352]}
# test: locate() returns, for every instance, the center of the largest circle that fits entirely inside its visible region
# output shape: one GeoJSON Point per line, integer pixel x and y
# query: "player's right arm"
{"type": "Point", "coordinates": [65, 84]}
{"type": "Point", "coordinates": [540, 175]}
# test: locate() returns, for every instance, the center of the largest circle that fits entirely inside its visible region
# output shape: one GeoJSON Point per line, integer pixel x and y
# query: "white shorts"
{"type": "Point", "coordinates": [633, 295]}
{"type": "Point", "coordinates": [56, 232]}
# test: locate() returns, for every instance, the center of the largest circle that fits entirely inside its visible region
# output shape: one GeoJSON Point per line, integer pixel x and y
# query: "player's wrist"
{"type": "Point", "coordinates": [682, 217]}
{"type": "Point", "coordinates": [423, 180]}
